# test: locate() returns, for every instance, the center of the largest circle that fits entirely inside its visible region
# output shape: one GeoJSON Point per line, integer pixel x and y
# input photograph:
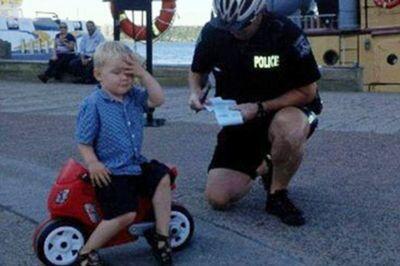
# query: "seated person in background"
{"type": "Point", "coordinates": [82, 66]}
{"type": "Point", "coordinates": [64, 52]}
{"type": "Point", "coordinates": [110, 133]}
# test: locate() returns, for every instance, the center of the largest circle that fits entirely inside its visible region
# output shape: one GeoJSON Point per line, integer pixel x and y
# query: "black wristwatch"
{"type": "Point", "coordinates": [260, 110]}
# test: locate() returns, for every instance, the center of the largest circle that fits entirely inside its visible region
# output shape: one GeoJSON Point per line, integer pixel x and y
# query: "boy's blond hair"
{"type": "Point", "coordinates": [111, 50]}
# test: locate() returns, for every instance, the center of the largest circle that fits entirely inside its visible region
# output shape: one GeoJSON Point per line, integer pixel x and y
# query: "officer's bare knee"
{"type": "Point", "coordinates": [218, 201]}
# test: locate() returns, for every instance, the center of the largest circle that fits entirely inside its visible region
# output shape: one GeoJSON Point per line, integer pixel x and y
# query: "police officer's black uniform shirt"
{"type": "Point", "coordinates": [276, 59]}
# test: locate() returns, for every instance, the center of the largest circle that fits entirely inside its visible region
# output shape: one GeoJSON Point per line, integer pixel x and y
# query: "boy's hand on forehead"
{"type": "Point", "coordinates": [132, 66]}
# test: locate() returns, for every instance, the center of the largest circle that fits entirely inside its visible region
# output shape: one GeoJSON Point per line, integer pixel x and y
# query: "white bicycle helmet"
{"type": "Point", "coordinates": [235, 14]}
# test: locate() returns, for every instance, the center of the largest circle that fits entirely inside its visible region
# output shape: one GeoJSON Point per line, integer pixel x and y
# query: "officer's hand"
{"type": "Point", "coordinates": [248, 110]}
{"type": "Point", "coordinates": [99, 174]}
{"type": "Point", "coordinates": [194, 102]}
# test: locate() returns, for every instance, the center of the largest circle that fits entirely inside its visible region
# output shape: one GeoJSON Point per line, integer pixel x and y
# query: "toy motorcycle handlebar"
{"type": "Point", "coordinates": [85, 177]}
{"type": "Point", "coordinates": [173, 172]}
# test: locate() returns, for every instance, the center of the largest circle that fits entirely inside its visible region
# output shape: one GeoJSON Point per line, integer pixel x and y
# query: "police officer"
{"type": "Point", "coordinates": [265, 63]}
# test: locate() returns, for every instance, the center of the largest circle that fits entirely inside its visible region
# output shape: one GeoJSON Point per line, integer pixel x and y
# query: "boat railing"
{"type": "Point", "coordinates": [36, 46]}
{"type": "Point", "coordinates": [316, 22]}
{"type": "Point", "coordinates": [51, 15]}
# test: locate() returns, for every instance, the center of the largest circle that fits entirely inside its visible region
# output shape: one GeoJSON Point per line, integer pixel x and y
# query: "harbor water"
{"type": "Point", "coordinates": [164, 53]}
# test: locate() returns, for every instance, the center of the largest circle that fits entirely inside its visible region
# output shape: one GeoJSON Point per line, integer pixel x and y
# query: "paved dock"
{"type": "Point", "coordinates": [348, 185]}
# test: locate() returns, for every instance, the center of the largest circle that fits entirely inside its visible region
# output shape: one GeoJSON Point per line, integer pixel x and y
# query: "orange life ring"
{"type": "Point", "coordinates": [387, 3]}
{"type": "Point", "coordinates": [162, 22]}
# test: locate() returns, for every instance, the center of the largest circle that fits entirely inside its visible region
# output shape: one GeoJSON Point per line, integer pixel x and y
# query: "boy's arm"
{"type": "Point", "coordinates": [87, 153]}
{"type": "Point", "coordinates": [156, 94]}
{"type": "Point", "coordinates": [99, 174]}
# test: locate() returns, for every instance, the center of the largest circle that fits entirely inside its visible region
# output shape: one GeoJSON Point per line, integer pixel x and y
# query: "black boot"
{"type": "Point", "coordinates": [280, 205]}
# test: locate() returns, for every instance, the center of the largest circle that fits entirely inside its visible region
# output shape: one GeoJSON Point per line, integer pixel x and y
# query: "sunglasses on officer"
{"type": "Point", "coordinates": [235, 27]}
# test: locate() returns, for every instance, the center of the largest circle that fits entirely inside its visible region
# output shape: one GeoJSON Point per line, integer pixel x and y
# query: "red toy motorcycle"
{"type": "Point", "coordinates": [75, 213]}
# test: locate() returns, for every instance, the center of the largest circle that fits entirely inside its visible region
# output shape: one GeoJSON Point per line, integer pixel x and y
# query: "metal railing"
{"type": "Point", "coordinates": [316, 22]}
{"type": "Point", "coordinates": [36, 47]}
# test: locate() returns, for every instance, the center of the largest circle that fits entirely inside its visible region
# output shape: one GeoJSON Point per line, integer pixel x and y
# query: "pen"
{"type": "Point", "coordinates": [204, 97]}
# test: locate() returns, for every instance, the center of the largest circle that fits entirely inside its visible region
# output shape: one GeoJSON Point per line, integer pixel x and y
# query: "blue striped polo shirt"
{"type": "Point", "coordinates": [114, 129]}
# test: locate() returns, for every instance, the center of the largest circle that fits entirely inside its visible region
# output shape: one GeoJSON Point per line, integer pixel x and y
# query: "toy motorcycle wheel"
{"type": "Point", "coordinates": [59, 242]}
{"type": "Point", "coordinates": [181, 227]}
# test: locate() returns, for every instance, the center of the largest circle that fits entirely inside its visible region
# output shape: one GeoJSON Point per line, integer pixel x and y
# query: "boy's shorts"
{"type": "Point", "coordinates": [242, 148]}
{"type": "Point", "coordinates": [121, 196]}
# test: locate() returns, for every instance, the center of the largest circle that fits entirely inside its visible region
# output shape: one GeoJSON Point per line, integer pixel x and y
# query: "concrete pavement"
{"type": "Point", "coordinates": [348, 185]}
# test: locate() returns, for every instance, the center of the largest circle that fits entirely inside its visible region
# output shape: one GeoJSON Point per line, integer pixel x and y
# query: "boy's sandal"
{"type": "Point", "coordinates": [163, 254]}
{"type": "Point", "coordinates": [89, 259]}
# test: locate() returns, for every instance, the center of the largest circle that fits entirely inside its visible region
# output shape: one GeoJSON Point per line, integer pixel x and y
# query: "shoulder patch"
{"type": "Point", "coordinates": [302, 46]}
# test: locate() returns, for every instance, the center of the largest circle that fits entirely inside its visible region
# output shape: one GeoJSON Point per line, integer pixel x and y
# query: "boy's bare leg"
{"type": "Point", "coordinates": [162, 205]}
{"type": "Point", "coordinates": [106, 230]}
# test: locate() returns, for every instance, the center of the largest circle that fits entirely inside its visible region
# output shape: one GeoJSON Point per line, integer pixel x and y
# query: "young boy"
{"type": "Point", "coordinates": [109, 132]}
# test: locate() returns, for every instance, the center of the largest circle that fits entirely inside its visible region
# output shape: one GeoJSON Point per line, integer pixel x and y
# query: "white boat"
{"type": "Point", "coordinates": [32, 35]}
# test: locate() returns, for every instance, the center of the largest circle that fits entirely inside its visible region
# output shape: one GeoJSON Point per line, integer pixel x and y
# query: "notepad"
{"type": "Point", "coordinates": [223, 111]}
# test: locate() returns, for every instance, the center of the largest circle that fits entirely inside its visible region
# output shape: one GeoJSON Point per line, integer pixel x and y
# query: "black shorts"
{"type": "Point", "coordinates": [242, 148]}
{"type": "Point", "coordinates": [122, 194]}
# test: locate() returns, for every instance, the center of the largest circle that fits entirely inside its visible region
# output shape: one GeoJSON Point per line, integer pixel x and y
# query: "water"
{"type": "Point", "coordinates": [169, 53]}
{"type": "Point", "coordinates": [164, 53]}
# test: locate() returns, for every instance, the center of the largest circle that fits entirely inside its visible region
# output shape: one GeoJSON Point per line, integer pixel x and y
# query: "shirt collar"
{"type": "Point", "coordinates": [106, 96]}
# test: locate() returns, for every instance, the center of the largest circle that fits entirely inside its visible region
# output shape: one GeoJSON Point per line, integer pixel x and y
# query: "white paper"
{"type": "Point", "coordinates": [223, 113]}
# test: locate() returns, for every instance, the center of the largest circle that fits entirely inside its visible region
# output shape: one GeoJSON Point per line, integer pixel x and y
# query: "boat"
{"type": "Point", "coordinates": [33, 35]}
{"type": "Point", "coordinates": [352, 35]}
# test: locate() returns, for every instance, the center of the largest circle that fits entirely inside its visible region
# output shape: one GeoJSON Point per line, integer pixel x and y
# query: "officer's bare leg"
{"type": "Point", "coordinates": [288, 135]}
{"type": "Point", "coordinates": [225, 186]}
